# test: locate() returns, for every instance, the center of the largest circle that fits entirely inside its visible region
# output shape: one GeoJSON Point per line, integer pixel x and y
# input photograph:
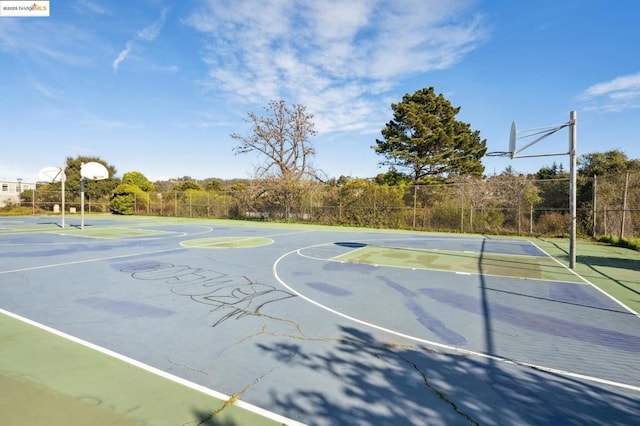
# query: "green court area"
{"type": "Point", "coordinates": [103, 231]}
{"type": "Point", "coordinates": [227, 242]}
{"type": "Point", "coordinates": [614, 270]}
{"type": "Point", "coordinates": [110, 232]}
{"type": "Point", "coordinates": [46, 379]}
{"type": "Point", "coordinates": [535, 267]}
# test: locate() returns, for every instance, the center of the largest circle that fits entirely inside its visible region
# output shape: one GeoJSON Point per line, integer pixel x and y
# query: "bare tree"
{"type": "Point", "coordinates": [282, 138]}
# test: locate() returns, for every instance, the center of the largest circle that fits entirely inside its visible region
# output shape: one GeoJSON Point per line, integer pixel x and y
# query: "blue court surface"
{"type": "Point", "coordinates": [278, 317]}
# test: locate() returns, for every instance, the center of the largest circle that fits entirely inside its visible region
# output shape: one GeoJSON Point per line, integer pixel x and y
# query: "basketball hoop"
{"type": "Point", "coordinates": [540, 134]}
{"type": "Point", "coordinates": [499, 154]}
{"type": "Point", "coordinates": [55, 174]}
{"type": "Point", "coordinates": [94, 171]}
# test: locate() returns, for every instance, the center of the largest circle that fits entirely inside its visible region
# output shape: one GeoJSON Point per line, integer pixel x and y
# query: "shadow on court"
{"type": "Point", "coordinates": [206, 419]}
{"type": "Point", "coordinates": [619, 267]}
{"type": "Point", "coordinates": [451, 389]}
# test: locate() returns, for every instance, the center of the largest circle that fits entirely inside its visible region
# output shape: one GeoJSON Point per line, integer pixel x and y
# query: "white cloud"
{"type": "Point", "coordinates": [337, 19]}
{"type": "Point", "coordinates": [151, 32]}
{"type": "Point", "coordinates": [90, 120]}
{"type": "Point", "coordinates": [615, 95]}
{"type": "Point", "coordinates": [121, 57]}
{"type": "Point", "coordinates": [90, 6]}
{"type": "Point", "coordinates": [47, 91]}
{"type": "Point", "coordinates": [614, 86]}
{"type": "Point", "coordinates": [331, 56]}
{"type": "Point", "coordinates": [147, 34]}
{"type": "Point", "coordinates": [62, 43]}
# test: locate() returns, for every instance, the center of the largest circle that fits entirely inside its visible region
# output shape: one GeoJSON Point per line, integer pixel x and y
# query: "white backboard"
{"type": "Point", "coordinates": [51, 174]}
{"type": "Point", "coordinates": [512, 139]}
{"type": "Point", "coordinates": [94, 171]}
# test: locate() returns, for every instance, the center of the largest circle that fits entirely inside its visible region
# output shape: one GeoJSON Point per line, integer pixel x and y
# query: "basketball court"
{"type": "Point", "coordinates": [175, 321]}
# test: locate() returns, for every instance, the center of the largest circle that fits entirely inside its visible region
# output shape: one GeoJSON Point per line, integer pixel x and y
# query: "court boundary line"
{"type": "Point", "coordinates": [156, 371]}
{"type": "Point", "coordinates": [230, 240]}
{"type": "Point", "coordinates": [175, 234]}
{"type": "Point", "coordinates": [122, 256]}
{"type": "Point", "coordinates": [123, 229]}
{"type": "Point", "coordinates": [353, 319]}
{"type": "Point", "coordinates": [637, 314]}
{"type": "Point", "coordinates": [442, 345]}
{"type": "Point", "coordinates": [414, 268]}
{"type": "Point", "coordinates": [98, 259]}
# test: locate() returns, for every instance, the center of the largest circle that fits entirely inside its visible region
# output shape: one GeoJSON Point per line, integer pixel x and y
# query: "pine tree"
{"type": "Point", "coordinates": [425, 139]}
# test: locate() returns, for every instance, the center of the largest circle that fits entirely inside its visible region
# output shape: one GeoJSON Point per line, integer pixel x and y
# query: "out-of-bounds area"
{"type": "Point", "coordinates": [156, 321]}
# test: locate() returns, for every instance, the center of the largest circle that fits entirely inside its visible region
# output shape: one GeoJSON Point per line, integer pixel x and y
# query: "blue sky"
{"type": "Point", "coordinates": [158, 86]}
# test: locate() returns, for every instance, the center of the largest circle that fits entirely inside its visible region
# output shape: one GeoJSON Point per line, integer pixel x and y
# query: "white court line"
{"type": "Point", "coordinates": [97, 259]}
{"type": "Point", "coordinates": [589, 282]}
{"type": "Point", "coordinates": [77, 262]}
{"type": "Point", "coordinates": [230, 240]}
{"type": "Point", "coordinates": [173, 234]}
{"type": "Point", "coordinates": [245, 405]}
{"type": "Point", "coordinates": [421, 268]}
{"type": "Point", "coordinates": [441, 345]}
{"type": "Point", "coordinates": [233, 239]}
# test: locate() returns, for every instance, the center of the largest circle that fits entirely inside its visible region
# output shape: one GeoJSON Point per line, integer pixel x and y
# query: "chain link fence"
{"type": "Point", "coordinates": [608, 205]}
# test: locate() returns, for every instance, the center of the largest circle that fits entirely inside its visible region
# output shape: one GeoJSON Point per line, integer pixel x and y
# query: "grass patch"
{"type": "Point", "coordinates": [632, 244]}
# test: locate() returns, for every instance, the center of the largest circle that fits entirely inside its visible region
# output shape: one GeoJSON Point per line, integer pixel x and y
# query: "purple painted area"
{"type": "Point", "coordinates": [577, 294]}
{"type": "Point", "coordinates": [477, 245]}
{"type": "Point", "coordinates": [133, 267]}
{"type": "Point", "coordinates": [405, 292]}
{"type": "Point", "coordinates": [538, 322]}
{"type": "Point", "coordinates": [46, 251]}
{"type": "Point", "coordinates": [434, 325]}
{"type": "Point", "coordinates": [125, 308]}
{"type": "Point", "coordinates": [512, 247]}
{"type": "Point", "coordinates": [329, 289]}
{"type": "Point", "coordinates": [349, 267]}
{"type": "Point", "coordinates": [428, 321]}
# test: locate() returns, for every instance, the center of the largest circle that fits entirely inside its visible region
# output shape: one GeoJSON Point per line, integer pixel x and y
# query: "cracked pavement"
{"type": "Point", "coordinates": [221, 318]}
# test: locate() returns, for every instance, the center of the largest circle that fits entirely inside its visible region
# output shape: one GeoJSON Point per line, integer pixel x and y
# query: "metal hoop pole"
{"type": "Point", "coordinates": [572, 190]}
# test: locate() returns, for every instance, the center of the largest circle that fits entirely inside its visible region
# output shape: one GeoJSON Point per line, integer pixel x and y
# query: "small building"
{"type": "Point", "coordinates": [10, 190]}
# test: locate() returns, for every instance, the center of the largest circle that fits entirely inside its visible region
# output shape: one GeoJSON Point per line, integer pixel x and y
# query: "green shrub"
{"type": "Point", "coordinates": [125, 198]}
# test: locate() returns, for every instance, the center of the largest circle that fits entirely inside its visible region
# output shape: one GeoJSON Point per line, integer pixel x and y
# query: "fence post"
{"type": "Point", "coordinates": [519, 218]}
{"type": "Point", "coordinates": [415, 204]}
{"type": "Point", "coordinates": [595, 209]}
{"type": "Point", "coordinates": [471, 209]}
{"type": "Point", "coordinates": [461, 212]}
{"type": "Point", "coordinates": [375, 193]}
{"type": "Point", "coordinates": [531, 220]}
{"type": "Point", "coordinates": [624, 205]}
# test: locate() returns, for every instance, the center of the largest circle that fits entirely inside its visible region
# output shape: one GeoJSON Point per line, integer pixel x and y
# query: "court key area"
{"type": "Point", "coordinates": [166, 321]}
